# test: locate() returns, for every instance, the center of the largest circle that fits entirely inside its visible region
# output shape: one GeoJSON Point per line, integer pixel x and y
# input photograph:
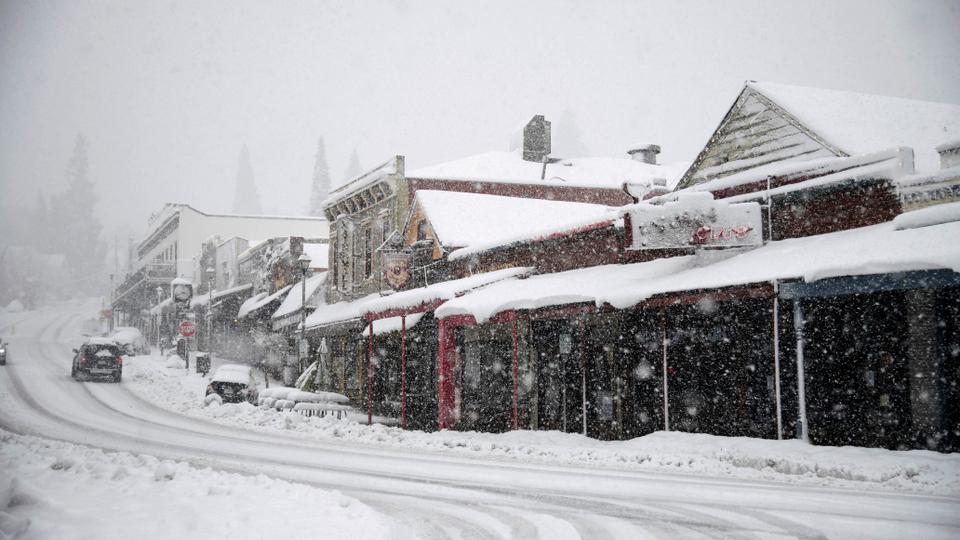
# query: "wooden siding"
{"type": "Point", "coordinates": [754, 132]}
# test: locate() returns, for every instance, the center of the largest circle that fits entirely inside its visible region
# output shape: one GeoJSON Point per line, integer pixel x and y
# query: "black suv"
{"type": "Point", "coordinates": [98, 357]}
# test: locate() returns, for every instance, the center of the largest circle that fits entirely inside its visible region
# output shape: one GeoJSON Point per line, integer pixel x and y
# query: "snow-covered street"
{"type": "Point", "coordinates": [217, 474]}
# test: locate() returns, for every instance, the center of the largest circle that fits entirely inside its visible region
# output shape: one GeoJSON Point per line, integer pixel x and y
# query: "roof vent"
{"type": "Point", "coordinates": [535, 139]}
{"type": "Point", "coordinates": [645, 153]}
{"type": "Point", "coordinates": [949, 154]}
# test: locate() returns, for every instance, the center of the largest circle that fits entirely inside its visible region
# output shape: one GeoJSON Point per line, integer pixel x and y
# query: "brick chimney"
{"type": "Point", "coordinates": [645, 153]}
{"type": "Point", "coordinates": [536, 139]}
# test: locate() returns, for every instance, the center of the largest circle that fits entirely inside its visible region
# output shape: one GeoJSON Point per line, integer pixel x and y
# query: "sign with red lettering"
{"type": "Point", "coordinates": [693, 220]}
{"type": "Point", "coordinates": [188, 329]}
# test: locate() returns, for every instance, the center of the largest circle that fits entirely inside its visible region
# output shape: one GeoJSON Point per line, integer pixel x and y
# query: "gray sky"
{"type": "Point", "coordinates": [167, 92]}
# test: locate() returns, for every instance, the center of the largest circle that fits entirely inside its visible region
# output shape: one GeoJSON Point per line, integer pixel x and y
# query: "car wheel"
{"type": "Point", "coordinates": [73, 371]}
{"type": "Point", "coordinates": [117, 377]}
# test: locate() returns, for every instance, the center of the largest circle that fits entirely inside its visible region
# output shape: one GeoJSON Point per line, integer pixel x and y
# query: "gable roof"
{"type": "Point", "coordinates": [860, 123]}
{"type": "Point", "coordinates": [770, 122]}
{"type": "Point", "coordinates": [462, 219]}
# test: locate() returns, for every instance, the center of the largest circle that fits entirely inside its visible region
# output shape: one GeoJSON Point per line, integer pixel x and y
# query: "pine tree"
{"type": "Point", "coordinates": [321, 181]}
{"type": "Point", "coordinates": [77, 233]}
{"type": "Point", "coordinates": [566, 137]}
{"type": "Point", "coordinates": [245, 199]}
{"type": "Point", "coordinates": [353, 167]}
{"type": "Point", "coordinates": [40, 230]}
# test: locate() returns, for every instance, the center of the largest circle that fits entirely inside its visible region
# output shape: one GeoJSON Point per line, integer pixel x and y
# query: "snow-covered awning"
{"type": "Point", "coordinates": [203, 299]}
{"type": "Point", "coordinates": [293, 301]}
{"type": "Point", "coordinates": [411, 301]}
{"type": "Point", "coordinates": [876, 249]}
{"type": "Point", "coordinates": [258, 301]}
{"type": "Point", "coordinates": [392, 324]}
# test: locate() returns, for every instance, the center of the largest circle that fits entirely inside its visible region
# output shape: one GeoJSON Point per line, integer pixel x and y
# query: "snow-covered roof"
{"type": "Point", "coordinates": [101, 341]}
{"type": "Point", "coordinates": [292, 302]}
{"type": "Point", "coordinates": [869, 250]}
{"type": "Point", "coordinates": [464, 219]}
{"type": "Point", "coordinates": [259, 300]}
{"type": "Point", "coordinates": [410, 299]}
{"type": "Point", "coordinates": [393, 324]}
{"type": "Point", "coordinates": [232, 373]}
{"type": "Point", "coordinates": [319, 254]}
{"type": "Point", "coordinates": [860, 123]}
{"type": "Point", "coordinates": [203, 299]}
{"type": "Point", "coordinates": [510, 167]}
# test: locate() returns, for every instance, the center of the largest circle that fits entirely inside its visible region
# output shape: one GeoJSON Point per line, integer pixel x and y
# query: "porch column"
{"type": "Point", "coordinates": [666, 394]}
{"type": "Point", "coordinates": [925, 397]}
{"type": "Point", "coordinates": [445, 387]}
{"type": "Point", "coordinates": [403, 371]}
{"type": "Point", "coordinates": [801, 381]}
{"type": "Point", "coordinates": [776, 360]}
{"type": "Point", "coordinates": [515, 372]}
{"type": "Point", "coordinates": [370, 375]}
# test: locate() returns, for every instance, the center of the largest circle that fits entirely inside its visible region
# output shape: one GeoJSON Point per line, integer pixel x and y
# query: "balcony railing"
{"type": "Point", "coordinates": [151, 274]}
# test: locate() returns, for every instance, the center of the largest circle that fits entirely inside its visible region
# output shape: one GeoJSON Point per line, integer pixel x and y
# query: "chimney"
{"type": "Point", "coordinates": [536, 139]}
{"type": "Point", "coordinates": [949, 154]}
{"type": "Point", "coordinates": [645, 153]}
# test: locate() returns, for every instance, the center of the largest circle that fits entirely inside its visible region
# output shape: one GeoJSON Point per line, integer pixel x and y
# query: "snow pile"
{"type": "Point", "coordinates": [299, 396]}
{"type": "Point", "coordinates": [926, 217]}
{"type": "Point", "coordinates": [738, 457]}
{"type": "Point", "coordinates": [52, 489]}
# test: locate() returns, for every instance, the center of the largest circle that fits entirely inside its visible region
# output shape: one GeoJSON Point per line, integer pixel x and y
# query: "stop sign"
{"type": "Point", "coordinates": [188, 329]}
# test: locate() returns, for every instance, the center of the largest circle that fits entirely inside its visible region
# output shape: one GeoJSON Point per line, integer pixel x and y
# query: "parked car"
{"type": "Point", "coordinates": [234, 384]}
{"type": "Point", "coordinates": [131, 341]}
{"type": "Point", "coordinates": [3, 353]}
{"type": "Point", "coordinates": [98, 357]}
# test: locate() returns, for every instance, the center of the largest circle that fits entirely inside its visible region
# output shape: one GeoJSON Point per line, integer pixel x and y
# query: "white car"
{"type": "Point", "coordinates": [233, 383]}
{"type": "Point", "coordinates": [130, 340]}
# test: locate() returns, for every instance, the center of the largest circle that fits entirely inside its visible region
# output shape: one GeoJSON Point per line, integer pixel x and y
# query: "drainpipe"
{"type": "Point", "coordinates": [776, 357]}
{"type": "Point", "coordinates": [666, 394]}
{"type": "Point", "coordinates": [403, 372]}
{"type": "Point", "coordinates": [801, 382]}
{"type": "Point", "coordinates": [515, 372]}
{"type": "Point", "coordinates": [370, 376]}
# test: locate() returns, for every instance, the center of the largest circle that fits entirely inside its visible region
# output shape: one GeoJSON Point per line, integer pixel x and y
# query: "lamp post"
{"type": "Point", "coordinates": [211, 274]}
{"type": "Point", "coordinates": [159, 317]}
{"type": "Point", "coordinates": [303, 261]}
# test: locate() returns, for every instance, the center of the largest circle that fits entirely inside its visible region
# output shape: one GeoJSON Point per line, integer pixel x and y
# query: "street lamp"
{"type": "Point", "coordinates": [303, 261]}
{"type": "Point", "coordinates": [159, 317]}
{"type": "Point", "coordinates": [211, 273]}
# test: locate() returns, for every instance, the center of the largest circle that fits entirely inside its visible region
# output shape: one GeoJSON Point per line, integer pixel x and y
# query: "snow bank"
{"type": "Point", "coordinates": [783, 461]}
{"type": "Point", "coordinates": [52, 489]}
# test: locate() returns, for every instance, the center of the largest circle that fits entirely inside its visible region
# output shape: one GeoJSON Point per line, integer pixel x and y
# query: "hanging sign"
{"type": "Point", "coordinates": [694, 220]}
{"type": "Point", "coordinates": [396, 269]}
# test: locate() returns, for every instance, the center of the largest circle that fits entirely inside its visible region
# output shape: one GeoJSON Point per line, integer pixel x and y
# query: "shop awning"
{"type": "Point", "coordinates": [203, 299]}
{"type": "Point", "coordinates": [888, 248]}
{"type": "Point", "coordinates": [406, 302]}
{"type": "Point", "coordinates": [392, 324]}
{"type": "Point", "coordinates": [257, 302]}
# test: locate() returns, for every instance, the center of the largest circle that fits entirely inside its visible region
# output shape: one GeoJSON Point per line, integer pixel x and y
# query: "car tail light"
{"type": "Point", "coordinates": [120, 360]}
{"type": "Point", "coordinates": [83, 360]}
{"type": "Point", "coordinates": [209, 389]}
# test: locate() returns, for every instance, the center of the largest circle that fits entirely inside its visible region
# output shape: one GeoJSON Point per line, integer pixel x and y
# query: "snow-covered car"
{"type": "Point", "coordinates": [233, 383]}
{"type": "Point", "coordinates": [130, 340]}
{"type": "Point", "coordinates": [98, 357]}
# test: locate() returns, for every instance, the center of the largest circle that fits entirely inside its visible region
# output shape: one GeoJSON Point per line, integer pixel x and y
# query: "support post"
{"type": "Point", "coordinates": [370, 375]}
{"type": "Point", "coordinates": [403, 371]}
{"type": "Point", "coordinates": [776, 359]}
{"type": "Point", "coordinates": [445, 388]}
{"type": "Point", "coordinates": [801, 381]}
{"type": "Point", "coordinates": [666, 393]}
{"type": "Point", "coordinates": [515, 373]}
{"type": "Point", "coordinates": [583, 377]}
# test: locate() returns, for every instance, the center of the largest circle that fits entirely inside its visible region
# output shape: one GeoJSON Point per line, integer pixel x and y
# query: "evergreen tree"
{"type": "Point", "coordinates": [245, 199]}
{"type": "Point", "coordinates": [566, 137]}
{"type": "Point", "coordinates": [353, 167]}
{"type": "Point", "coordinates": [321, 181]}
{"type": "Point", "coordinates": [39, 235]}
{"type": "Point", "coordinates": [77, 233]}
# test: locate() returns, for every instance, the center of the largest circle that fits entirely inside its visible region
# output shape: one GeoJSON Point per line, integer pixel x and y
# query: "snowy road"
{"type": "Point", "coordinates": [439, 496]}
